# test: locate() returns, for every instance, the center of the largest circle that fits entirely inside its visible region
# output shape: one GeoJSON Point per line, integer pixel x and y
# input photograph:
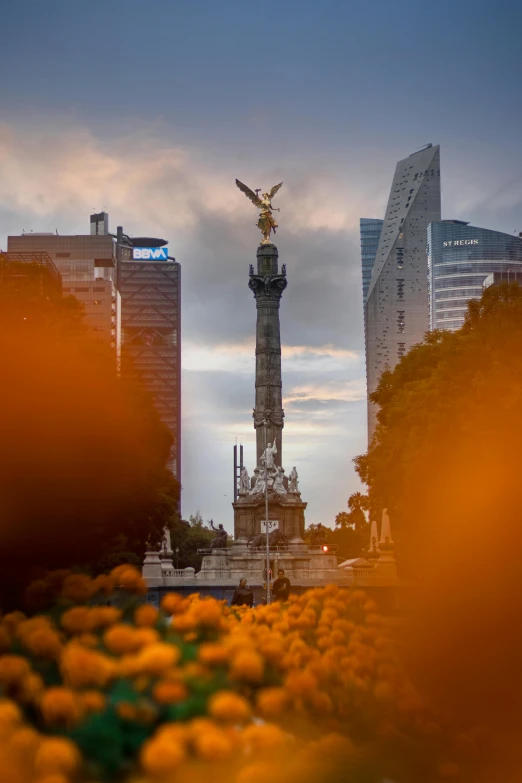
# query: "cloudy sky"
{"type": "Point", "coordinates": [150, 109]}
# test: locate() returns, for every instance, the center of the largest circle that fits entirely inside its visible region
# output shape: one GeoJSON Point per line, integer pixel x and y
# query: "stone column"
{"type": "Point", "coordinates": [267, 285]}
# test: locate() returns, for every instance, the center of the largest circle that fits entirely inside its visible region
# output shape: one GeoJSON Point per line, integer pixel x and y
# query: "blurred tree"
{"type": "Point", "coordinates": [445, 462]}
{"type": "Point", "coordinates": [82, 452]}
{"type": "Point", "coordinates": [189, 536]}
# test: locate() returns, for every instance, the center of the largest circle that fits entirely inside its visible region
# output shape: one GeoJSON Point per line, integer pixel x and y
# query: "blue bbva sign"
{"type": "Point", "coordinates": [150, 253]}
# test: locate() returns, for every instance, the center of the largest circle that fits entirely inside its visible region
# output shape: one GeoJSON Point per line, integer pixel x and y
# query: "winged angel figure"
{"type": "Point", "coordinates": [266, 223]}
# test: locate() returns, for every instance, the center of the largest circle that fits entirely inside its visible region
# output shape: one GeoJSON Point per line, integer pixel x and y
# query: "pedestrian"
{"type": "Point", "coordinates": [281, 588]}
{"type": "Point", "coordinates": [243, 595]}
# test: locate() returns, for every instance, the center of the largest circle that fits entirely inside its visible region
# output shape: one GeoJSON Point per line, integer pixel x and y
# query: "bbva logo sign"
{"type": "Point", "coordinates": [150, 253]}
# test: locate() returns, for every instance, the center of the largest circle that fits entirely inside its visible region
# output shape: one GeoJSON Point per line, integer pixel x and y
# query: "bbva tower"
{"type": "Point", "coordinates": [396, 305]}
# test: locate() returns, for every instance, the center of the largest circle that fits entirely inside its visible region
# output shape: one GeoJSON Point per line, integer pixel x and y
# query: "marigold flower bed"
{"type": "Point", "coordinates": [305, 691]}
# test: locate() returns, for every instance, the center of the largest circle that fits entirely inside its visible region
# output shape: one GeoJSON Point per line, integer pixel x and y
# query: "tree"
{"type": "Point", "coordinates": [445, 462]}
{"type": "Point", "coordinates": [83, 452]}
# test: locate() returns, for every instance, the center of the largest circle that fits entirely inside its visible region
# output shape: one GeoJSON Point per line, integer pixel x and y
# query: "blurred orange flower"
{"type": "Point", "coordinates": [229, 706]}
{"type": "Point", "coordinates": [168, 692]}
{"type": "Point", "coordinates": [247, 665]}
{"type": "Point", "coordinates": [146, 616]}
{"type": "Point", "coordinates": [56, 755]}
{"type": "Point", "coordinates": [61, 705]}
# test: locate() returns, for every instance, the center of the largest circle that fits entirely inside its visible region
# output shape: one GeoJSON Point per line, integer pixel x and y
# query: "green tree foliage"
{"type": "Point", "coordinates": [188, 537]}
{"type": "Point", "coordinates": [82, 452]}
{"type": "Point", "coordinates": [445, 462]}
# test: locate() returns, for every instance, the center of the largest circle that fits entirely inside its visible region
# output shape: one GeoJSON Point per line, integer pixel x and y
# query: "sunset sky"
{"type": "Point", "coordinates": [150, 110]}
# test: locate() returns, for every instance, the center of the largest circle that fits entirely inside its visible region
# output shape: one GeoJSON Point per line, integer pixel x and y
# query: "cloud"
{"type": "Point", "coordinates": [152, 185]}
{"type": "Point", "coordinates": [342, 391]}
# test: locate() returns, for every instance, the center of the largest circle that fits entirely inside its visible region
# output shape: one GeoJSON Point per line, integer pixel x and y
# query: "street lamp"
{"type": "Point", "coordinates": [177, 555]}
{"type": "Point", "coordinates": [266, 522]}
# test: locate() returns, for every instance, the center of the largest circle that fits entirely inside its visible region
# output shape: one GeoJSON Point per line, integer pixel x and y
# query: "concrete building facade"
{"type": "Point", "coordinates": [460, 259]}
{"type": "Point", "coordinates": [396, 306]}
{"type": "Point", "coordinates": [87, 265]}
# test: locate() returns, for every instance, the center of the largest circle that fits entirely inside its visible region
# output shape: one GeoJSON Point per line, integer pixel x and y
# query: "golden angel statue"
{"type": "Point", "coordinates": [266, 223]}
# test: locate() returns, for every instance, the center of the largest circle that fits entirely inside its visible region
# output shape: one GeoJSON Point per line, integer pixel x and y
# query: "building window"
{"type": "Point", "coordinates": [97, 302]}
{"type": "Point", "coordinates": [401, 348]}
{"type": "Point", "coordinates": [401, 320]}
{"type": "Point", "coordinates": [400, 288]}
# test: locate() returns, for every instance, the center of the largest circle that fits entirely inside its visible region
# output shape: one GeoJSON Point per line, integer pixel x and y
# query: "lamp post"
{"type": "Point", "coordinates": [177, 556]}
{"type": "Point", "coordinates": [266, 523]}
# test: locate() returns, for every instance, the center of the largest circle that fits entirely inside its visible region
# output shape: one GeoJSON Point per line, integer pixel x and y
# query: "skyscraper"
{"type": "Point", "coordinates": [87, 264]}
{"type": "Point", "coordinates": [396, 306]}
{"type": "Point", "coordinates": [370, 231]}
{"type": "Point", "coordinates": [460, 258]}
{"type": "Point", "coordinates": [150, 324]}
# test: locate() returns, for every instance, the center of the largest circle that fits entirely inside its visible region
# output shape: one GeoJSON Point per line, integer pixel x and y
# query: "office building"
{"type": "Point", "coordinates": [370, 232]}
{"type": "Point", "coordinates": [460, 259]}
{"type": "Point", "coordinates": [87, 265]}
{"type": "Point", "coordinates": [396, 306]}
{"type": "Point", "coordinates": [150, 323]}
{"type": "Point", "coordinates": [32, 274]}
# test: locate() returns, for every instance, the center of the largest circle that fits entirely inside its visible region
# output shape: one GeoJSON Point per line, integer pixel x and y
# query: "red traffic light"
{"type": "Point", "coordinates": [325, 548]}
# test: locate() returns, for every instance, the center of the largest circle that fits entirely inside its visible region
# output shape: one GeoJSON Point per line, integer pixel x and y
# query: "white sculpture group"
{"type": "Point", "coordinates": [275, 476]}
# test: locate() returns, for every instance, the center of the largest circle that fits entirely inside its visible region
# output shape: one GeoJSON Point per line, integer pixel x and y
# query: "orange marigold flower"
{"type": "Point", "coordinates": [146, 636]}
{"type": "Point", "coordinates": [301, 683]}
{"type": "Point", "coordinates": [56, 755]}
{"type": "Point", "coordinates": [146, 616]}
{"type": "Point", "coordinates": [41, 640]}
{"type": "Point", "coordinates": [127, 711]}
{"type": "Point", "coordinates": [78, 620]}
{"type": "Point", "coordinates": [60, 705]}
{"type": "Point", "coordinates": [161, 755]}
{"type": "Point", "coordinates": [129, 578]}
{"type": "Point", "coordinates": [82, 667]}
{"type": "Point", "coordinates": [157, 658]}
{"type": "Point", "coordinates": [213, 745]}
{"type": "Point", "coordinates": [24, 742]}
{"type": "Point", "coordinates": [229, 706]}
{"type": "Point", "coordinates": [10, 715]}
{"type": "Point", "coordinates": [271, 702]}
{"type": "Point", "coordinates": [168, 692]}
{"type": "Point", "coordinates": [264, 737]}
{"type": "Point", "coordinates": [93, 701]}
{"type": "Point", "coordinates": [13, 668]}
{"type": "Point", "coordinates": [31, 688]}
{"type": "Point", "coordinates": [213, 654]}
{"type": "Point", "coordinates": [247, 665]}
{"type": "Point", "coordinates": [104, 616]}
{"type": "Point", "coordinates": [208, 613]}
{"type": "Point", "coordinates": [173, 603]}
{"type": "Point", "coordinates": [13, 620]}
{"type": "Point", "coordinates": [120, 639]}
{"type": "Point", "coordinates": [78, 588]}
{"type": "Point", "coordinates": [321, 702]}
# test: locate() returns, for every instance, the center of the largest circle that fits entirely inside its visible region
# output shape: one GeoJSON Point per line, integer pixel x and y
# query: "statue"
{"type": "Point", "coordinates": [220, 541]}
{"type": "Point", "coordinates": [292, 481]}
{"type": "Point", "coordinates": [279, 486]}
{"type": "Point", "coordinates": [244, 481]}
{"type": "Point", "coordinates": [266, 223]}
{"type": "Point", "coordinates": [268, 456]}
{"type": "Point", "coordinates": [259, 486]}
{"type": "Point", "coordinates": [275, 538]}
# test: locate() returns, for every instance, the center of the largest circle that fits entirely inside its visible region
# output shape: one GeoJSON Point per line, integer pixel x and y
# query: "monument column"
{"type": "Point", "coordinates": [267, 285]}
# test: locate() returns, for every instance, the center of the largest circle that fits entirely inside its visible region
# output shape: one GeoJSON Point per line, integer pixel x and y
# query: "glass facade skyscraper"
{"type": "Point", "coordinates": [370, 231]}
{"type": "Point", "coordinates": [150, 327]}
{"type": "Point", "coordinates": [460, 258]}
{"type": "Point", "coordinates": [396, 303]}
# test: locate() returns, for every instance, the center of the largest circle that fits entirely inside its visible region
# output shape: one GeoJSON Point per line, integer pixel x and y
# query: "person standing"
{"type": "Point", "coordinates": [281, 587]}
{"type": "Point", "coordinates": [243, 595]}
